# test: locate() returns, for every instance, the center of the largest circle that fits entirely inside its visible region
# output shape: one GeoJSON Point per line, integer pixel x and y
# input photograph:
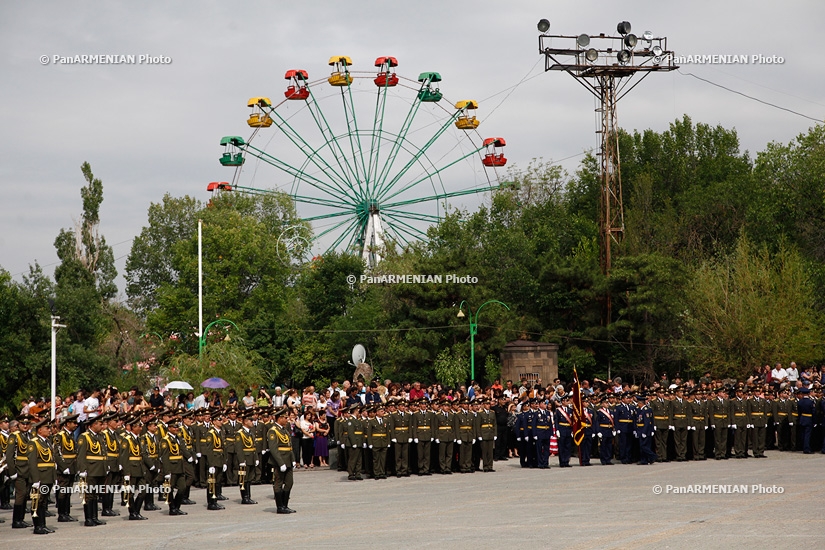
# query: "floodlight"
{"type": "Point", "coordinates": [623, 56]}
{"type": "Point", "coordinates": [623, 27]}
{"type": "Point", "coordinates": [647, 35]}
{"type": "Point", "coordinates": [583, 40]}
{"type": "Point", "coordinates": [543, 25]}
{"type": "Point", "coordinates": [591, 55]}
{"type": "Point", "coordinates": [657, 50]}
{"type": "Point", "coordinates": [630, 41]}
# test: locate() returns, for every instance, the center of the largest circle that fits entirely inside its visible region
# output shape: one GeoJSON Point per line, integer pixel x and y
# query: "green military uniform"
{"type": "Point", "coordinates": [355, 444]}
{"type": "Point", "coordinates": [422, 430]}
{"type": "Point", "coordinates": [174, 455]}
{"type": "Point", "coordinates": [188, 439]}
{"type": "Point", "coordinates": [378, 440]}
{"type": "Point", "coordinates": [230, 428]}
{"type": "Point", "coordinates": [680, 412]}
{"type": "Point", "coordinates": [698, 424]}
{"type": "Point", "coordinates": [149, 441]}
{"type": "Point", "coordinates": [134, 464]}
{"type": "Point", "coordinates": [662, 421]}
{"type": "Point", "coordinates": [91, 465]}
{"type": "Point", "coordinates": [280, 450]}
{"type": "Point", "coordinates": [341, 440]}
{"type": "Point", "coordinates": [247, 454]}
{"type": "Point", "coordinates": [42, 475]}
{"type": "Point", "coordinates": [111, 440]}
{"type": "Point", "coordinates": [758, 411]}
{"type": "Point", "coordinates": [214, 451]}
{"type": "Point", "coordinates": [465, 437]}
{"type": "Point", "coordinates": [17, 460]}
{"type": "Point", "coordinates": [741, 421]}
{"type": "Point", "coordinates": [445, 435]}
{"type": "Point", "coordinates": [720, 418]}
{"type": "Point", "coordinates": [66, 454]}
{"type": "Point", "coordinates": [486, 430]}
{"type": "Point", "coordinates": [401, 435]}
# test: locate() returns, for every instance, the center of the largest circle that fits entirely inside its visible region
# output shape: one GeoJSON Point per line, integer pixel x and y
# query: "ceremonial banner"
{"type": "Point", "coordinates": [576, 397]}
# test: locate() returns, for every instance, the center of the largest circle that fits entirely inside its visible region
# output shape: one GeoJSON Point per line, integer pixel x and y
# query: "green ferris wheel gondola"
{"type": "Point", "coordinates": [365, 176]}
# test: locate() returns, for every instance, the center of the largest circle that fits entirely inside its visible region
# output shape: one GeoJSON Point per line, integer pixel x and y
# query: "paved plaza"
{"type": "Point", "coordinates": [594, 507]}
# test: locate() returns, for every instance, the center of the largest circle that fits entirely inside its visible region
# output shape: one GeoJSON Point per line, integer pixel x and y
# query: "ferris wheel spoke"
{"type": "Point", "coordinates": [411, 215]}
{"type": "Point", "coordinates": [350, 230]}
{"type": "Point", "coordinates": [308, 151]}
{"type": "Point", "coordinates": [404, 226]}
{"type": "Point", "coordinates": [378, 127]}
{"type": "Point", "coordinates": [328, 216]}
{"type": "Point", "coordinates": [396, 146]}
{"type": "Point", "coordinates": [347, 113]}
{"type": "Point", "coordinates": [442, 196]}
{"type": "Point", "coordinates": [385, 187]}
{"type": "Point", "coordinates": [334, 227]}
{"type": "Point", "coordinates": [332, 144]}
{"type": "Point", "coordinates": [396, 235]}
{"type": "Point", "coordinates": [296, 173]}
{"type": "Point", "coordinates": [429, 175]}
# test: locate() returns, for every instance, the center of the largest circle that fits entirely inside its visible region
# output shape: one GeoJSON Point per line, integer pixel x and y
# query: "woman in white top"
{"type": "Point", "coordinates": [306, 424]}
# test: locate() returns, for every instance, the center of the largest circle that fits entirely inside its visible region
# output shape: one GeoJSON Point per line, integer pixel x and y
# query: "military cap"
{"type": "Point", "coordinates": [282, 410]}
{"type": "Point", "coordinates": [44, 422]}
{"type": "Point", "coordinates": [4, 418]}
{"type": "Point", "coordinates": [25, 418]}
{"type": "Point", "coordinates": [174, 424]}
{"type": "Point", "coordinates": [804, 390]}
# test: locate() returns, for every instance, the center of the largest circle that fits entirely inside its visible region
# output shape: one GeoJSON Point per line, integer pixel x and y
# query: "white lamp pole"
{"type": "Point", "coordinates": [55, 326]}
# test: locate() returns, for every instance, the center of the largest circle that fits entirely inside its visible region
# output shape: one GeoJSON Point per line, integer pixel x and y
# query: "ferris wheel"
{"type": "Point", "coordinates": [369, 157]}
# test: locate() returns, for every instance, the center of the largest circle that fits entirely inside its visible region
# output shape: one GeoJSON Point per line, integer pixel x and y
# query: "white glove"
{"type": "Point", "coordinates": [614, 432]}
{"type": "Point", "coordinates": [732, 427]}
{"type": "Point", "coordinates": [713, 426]}
{"type": "Point", "coordinates": [644, 435]}
{"type": "Point", "coordinates": [410, 441]}
{"type": "Point", "coordinates": [636, 435]}
{"type": "Point", "coordinates": [283, 468]}
{"type": "Point", "coordinates": [365, 445]}
{"type": "Point", "coordinates": [437, 441]}
{"type": "Point", "coordinates": [152, 469]}
{"type": "Point", "coordinates": [242, 465]}
{"type": "Point", "coordinates": [36, 485]}
{"type": "Point", "coordinates": [355, 446]}
{"type": "Point", "coordinates": [190, 459]}
{"type": "Point", "coordinates": [594, 436]}
{"type": "Point", "coordinates": [672, 428]}
{"type": "Point", "coordinates": [370, 446]}
{"type": "Point", "coordinates": [67, 472]}
{"type": "Point", "coordinates": [224, 467]}
{"type": "Point", "coordinates": [600, 435]}
{"type": "Point", "coordinates": [518, 439]}
{"type": "Point", "coordinates": [264, 451]}
{"type": "Point", "coordinates": [167, 477]}
{"type": "Point", "coordinates": [495, 437]}
{"type": "Point", "coordinates": [198, 455]}
{"type": "Point", "coordinates": [557, 433]}
{"type": "Point", "coordinates": [257, 462]}
{"type": "Point", "coordinates": [790, 423]}
{"type": "Point", "coordinates": [535, 438]}
{"type": "Point", "coordinates": [394, 440]}
{"type": "Point", "coordinates": [458, 442]}
{"type": "Point", "coordinates": [416, 440]}
{"type": "Point", "coordinates": [294, 464]}
{"type": "Point", "coordinates": [119, 467]}
{"type": "Point", "coordinates": [343, 446]}
{"type": "Point", "coordinates": [82, 474]}
{"type": "Point", "coordinates": [211, 469]}
{"type": "Point", "coordinates": [654, 428]}
{"type": "Point", "coordinates": [126, 479]}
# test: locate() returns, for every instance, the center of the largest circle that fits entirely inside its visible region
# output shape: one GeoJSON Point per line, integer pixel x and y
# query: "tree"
{"type": "Point", "coordinates": [751, 308]}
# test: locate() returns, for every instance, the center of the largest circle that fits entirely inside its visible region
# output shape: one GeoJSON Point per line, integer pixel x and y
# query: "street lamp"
{"type": "Point", "coordinates": [202, 337]}
{"type": "Point", "coordinates": [473, 318]}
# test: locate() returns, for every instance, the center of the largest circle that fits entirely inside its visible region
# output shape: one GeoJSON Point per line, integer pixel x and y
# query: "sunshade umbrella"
{"type": "Point", "coordinates": [215, 382]}
{"type": "Point", "coordinates": [178, 385]}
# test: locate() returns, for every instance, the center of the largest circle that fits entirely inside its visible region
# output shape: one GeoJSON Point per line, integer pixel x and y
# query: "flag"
{"type": "Point", "coordinates": [576, 397]}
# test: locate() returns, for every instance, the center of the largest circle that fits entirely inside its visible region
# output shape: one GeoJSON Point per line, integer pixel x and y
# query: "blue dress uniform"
{"type": "Point", "coordinates": [587, 429]}
{"type": "Point", "coordinates": [605, 428]}
{"type": "Point", "coordinates": [625, 416]}
{"type": "Point", "coordinates": [542, 430]}
{"type": "Point", "coordinates": [644, 431]}
{"type": "Point", "coordinates": [806, 410]}
{"type": "Point", "coordinates": [523, 422]}
{"type": "Point", "coordinates": [564, 432]}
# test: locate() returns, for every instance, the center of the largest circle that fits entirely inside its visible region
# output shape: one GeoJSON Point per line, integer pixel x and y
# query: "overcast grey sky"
{"type": "Point", "coordinates": [152, 129]}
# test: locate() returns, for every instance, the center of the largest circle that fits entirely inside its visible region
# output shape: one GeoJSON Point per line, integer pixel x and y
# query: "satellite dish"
{"type": "Point", "coordinates": [359, 353]}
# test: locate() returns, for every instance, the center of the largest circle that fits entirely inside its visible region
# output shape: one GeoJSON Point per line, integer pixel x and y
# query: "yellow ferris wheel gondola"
{"type": "Point", "coordinates": [258, 118]}
{"type": "Point", "coordinates": [464, 120]}
{"type": "Point", "coordinates": [340, 75]}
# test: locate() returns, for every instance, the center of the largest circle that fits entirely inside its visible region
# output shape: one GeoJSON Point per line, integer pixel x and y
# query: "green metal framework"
{"type": "Point", "coordinates": [361, 183]}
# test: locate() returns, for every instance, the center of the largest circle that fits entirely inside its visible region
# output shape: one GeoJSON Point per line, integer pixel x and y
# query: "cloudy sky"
{"type": "Point", "coordinates": [151, 129]}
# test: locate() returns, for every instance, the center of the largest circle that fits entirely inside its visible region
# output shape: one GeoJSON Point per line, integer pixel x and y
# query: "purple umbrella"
{"type": "Point", "coordinates": [215, 383]}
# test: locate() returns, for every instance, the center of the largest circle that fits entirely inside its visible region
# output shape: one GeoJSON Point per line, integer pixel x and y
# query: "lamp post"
{"type": "Point", "coordinates": [202, 337]}
{"type": "Point", "coordinates": [473, 318]}
{"type": "Point", "coordinates": [55, 327]}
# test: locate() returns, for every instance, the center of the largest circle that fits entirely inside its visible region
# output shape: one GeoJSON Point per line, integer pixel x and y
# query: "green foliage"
{"type": "Point", "coordinates": [230, 360]}
{"type": "Point", "coordinates": [751, 308]}
{"type": "Point", "coordinates": [452, 366]}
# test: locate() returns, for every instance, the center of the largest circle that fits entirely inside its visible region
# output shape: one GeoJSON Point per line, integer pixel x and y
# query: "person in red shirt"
{"type": "Point", "coordinates": [416, 392]}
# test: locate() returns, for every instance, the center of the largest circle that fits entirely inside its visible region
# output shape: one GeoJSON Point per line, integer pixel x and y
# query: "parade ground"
{"type": "Point", "coordinates": [767, 503]}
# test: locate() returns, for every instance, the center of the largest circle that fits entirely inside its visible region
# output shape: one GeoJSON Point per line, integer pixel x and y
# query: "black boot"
{"type": "Point", "coordinates": [186, 500]}
{"type": "Point", "coordinates": [279, 502]}
{"type": "Point", "coordinates": [17, 515]}
{"type": "Point", "coordinates": [286, 503]}
{"type": "Point", "coordinates": [87, 514]}
{"type": "Point", "coordinates": [95, 513]}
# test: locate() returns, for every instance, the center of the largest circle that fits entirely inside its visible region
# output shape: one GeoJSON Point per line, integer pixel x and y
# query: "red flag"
{"type": "Point", "coordinates": [578, 431]}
